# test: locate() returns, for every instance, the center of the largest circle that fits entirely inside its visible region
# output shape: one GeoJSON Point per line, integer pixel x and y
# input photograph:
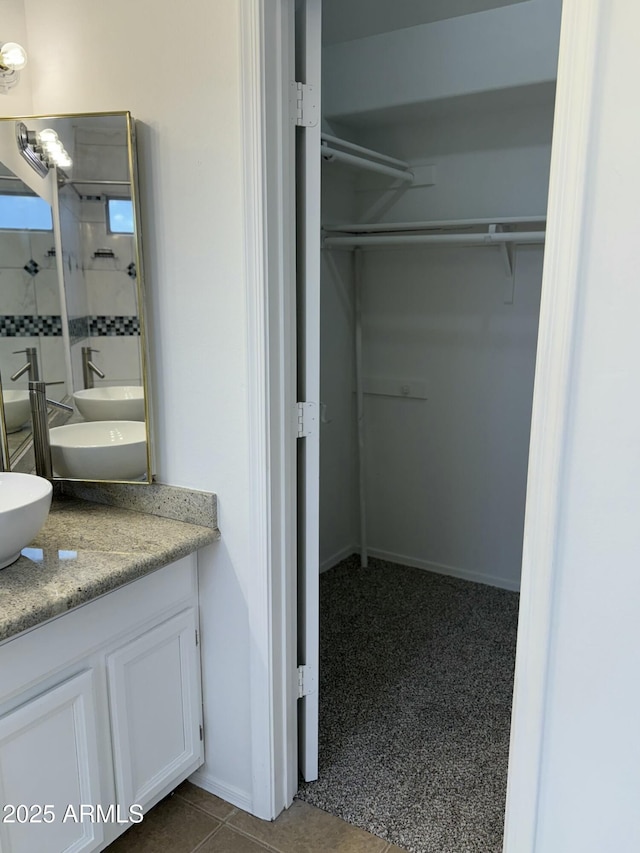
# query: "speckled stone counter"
{"type": "Point", "coordinates": [86, 550]}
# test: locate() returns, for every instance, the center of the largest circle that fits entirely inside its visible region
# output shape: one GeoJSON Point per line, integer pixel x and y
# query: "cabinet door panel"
{"type": "Point", "coordinates": [49, 757]}
{"type": "Point", "coordinates": [154, 700]}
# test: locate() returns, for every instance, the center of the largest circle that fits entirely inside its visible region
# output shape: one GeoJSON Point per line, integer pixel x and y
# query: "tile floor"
{"type": "Point", "coordinates": [193, 820]}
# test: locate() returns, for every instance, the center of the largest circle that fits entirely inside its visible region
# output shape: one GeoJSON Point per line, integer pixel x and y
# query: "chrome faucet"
{"type": "Point", "coordinates": [89, 368]}
{"type": "Point", "coordinates": [31, 366]}
{"type": "Point", "coordinates": [40, 425]}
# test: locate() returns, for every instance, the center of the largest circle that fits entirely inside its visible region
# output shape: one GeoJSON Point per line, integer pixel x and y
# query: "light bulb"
{"type": "Point", "coordinates": [63, 160]}
{"type": "Point", "coordinates": [47, 136]}
{"type": "Point", "coordinates": [49, 142]}
{"type": "Point", "coordinates": [13, 56]}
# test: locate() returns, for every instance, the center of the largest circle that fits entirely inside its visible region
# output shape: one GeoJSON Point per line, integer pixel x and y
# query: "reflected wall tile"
{"type": "Point", "coordinates": [47, 292]}
{"type": "Point", "coordinates": [18, 292]}
{"type": "Point", "coordinates": [111, 293]}
{"type": "Point", "coordinates": [14, 249]}
{"type": "Point", "coordinates": [95, 238]}
{"type": "Point", "coordinates": [53, 366]}
{"type": "Point", "coordinates": [42, 243]}
{"type": "Point", "coordinates": [92, 210]}
{"type": "Point", "coordinates": [119, 358]}
{"type": "Point", "coordinates": [76, 293]}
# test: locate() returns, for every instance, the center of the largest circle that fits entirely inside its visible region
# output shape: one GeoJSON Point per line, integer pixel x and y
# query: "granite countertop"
{"type": "Point", "coordinates": [85, 550]}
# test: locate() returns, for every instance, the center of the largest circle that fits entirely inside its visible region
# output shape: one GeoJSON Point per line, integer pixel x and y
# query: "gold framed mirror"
{"type": "Point", "coordinates": [72, 297]}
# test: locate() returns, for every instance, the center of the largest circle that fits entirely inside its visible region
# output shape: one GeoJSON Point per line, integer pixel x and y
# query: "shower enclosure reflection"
{"type": "Point", "coordinates": [83, 317]}
{"type": "Point", "coordinates": [31, 333]}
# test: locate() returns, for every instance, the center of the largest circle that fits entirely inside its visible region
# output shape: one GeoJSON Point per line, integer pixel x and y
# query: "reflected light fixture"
{"type": "Point", "coordinates": [42, 149]}
{"type": "Point", "coordinates": [13, 58]}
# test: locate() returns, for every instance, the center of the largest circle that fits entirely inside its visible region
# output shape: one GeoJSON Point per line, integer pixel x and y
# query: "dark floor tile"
{"type": "Point", "coordinates": [173, 826]}
{"type": "Point", "coordinates": [229, 841]}
{"type": "Point", "coordinates": [204, 800]}
{"type": "Point", "coordinates": [306, 829]}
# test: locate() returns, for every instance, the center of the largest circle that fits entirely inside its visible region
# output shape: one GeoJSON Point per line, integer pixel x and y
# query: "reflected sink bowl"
{"type": "Point", "coordinates": [25, 501]}
{"type": "Point", "coordinates": [16, 409]}
{"type": "Point", "coordinates": [117, 403]}
{"type": "Point", "coordinates": [99, 450]}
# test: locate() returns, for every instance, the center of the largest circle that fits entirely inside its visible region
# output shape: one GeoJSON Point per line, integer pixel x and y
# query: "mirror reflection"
{"type": "Point", "coordinates": [31, 334]}
{"type": "Point", "coordinates": [72, 298]}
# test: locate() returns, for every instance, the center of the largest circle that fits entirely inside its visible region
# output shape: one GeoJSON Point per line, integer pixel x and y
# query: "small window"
{"type": "Point", "coordinates": [25, 213]}
{"type": "Point", "coordinates": [119, 216]}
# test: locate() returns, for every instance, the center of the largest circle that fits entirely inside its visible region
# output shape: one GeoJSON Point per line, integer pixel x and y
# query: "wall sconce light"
{"type": "Point", "coordinates": [13, 58]}
{"type": "Point", "coordinates": [42, 149]}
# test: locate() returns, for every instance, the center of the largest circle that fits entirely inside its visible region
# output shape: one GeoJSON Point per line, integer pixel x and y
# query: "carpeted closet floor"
{"type": "Point", "coordinates": [416, 676]}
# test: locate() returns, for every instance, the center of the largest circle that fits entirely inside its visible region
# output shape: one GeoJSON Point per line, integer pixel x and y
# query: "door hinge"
{"type": "Point", "coordinates": [303, 103]}
{"type": "Point", "coordinates": [197, 638]}
{"type": "Point", "coordinates": [201, 732]}
{"type": "Point", "coordinates": [307, 419]}
{"type": "Point", "coordinates": [307, 681]}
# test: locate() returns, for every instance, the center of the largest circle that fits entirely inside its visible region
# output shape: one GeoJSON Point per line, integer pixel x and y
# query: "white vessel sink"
{"type": "Point", "coordinates": [16, 409]}
{"type": "Point", "coordinates": [99, 450]}
{"type": "Point", "coordinates": [25, 501]}
{"type": "Point", "coordinates": [116, 403]}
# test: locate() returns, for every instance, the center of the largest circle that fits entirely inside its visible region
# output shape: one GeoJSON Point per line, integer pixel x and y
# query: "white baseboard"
{"type": "Point", "coordinates": [336, 558]}
{"type": "Point", "coordinates": [450, 571]}
{"type": "Point", "coordinates": [238, 798]}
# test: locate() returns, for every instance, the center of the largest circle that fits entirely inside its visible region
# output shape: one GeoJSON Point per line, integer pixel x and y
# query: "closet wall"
{"type": "Point", "coordinates": [446, 475]}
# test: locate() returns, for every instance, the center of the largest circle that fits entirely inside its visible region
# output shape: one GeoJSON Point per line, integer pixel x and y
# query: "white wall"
{"type": "Point", "coordinates": [360, 18]}
{"type": "Point", "coordinates": [14, 28]}
{"type": "Point", "coordinates": [338, 469]}
{"type": "Point", "coordinates": [130, 56]}
{"type": "Point", "coordinates": [446, 476]}
{"type": "Point", "coordinates": [501, 48]}
{"type": "Point", "coordinates": [590, 783]}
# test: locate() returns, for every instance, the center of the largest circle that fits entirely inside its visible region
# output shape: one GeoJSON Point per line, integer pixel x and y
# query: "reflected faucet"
{"type": "Point", "coordinates": [31, 366]}
{"type": "Point", "coordinates": [89, 368]}
{"type": "Point", "coordinates": [40, 425]}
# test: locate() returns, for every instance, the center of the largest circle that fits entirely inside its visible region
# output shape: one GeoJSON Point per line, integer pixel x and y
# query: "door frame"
{"type": "Point", "coordinates": [266, 66]}
{"type": "Point", "coordinates": [266, 60]}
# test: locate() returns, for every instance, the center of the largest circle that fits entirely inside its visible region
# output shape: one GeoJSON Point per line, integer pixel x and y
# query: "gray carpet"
{"type": "Point", "coordinates": [416, 676]}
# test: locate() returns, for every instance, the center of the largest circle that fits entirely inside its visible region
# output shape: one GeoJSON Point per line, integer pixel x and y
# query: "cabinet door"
{"type": "Point", "coordinates": [49, 757]}
{"type": "Point", "coordinates": [154, 702]}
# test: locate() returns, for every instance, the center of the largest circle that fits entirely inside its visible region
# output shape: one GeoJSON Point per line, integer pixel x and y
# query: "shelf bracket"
{"type": "Point", "coordinates": [506, 251]}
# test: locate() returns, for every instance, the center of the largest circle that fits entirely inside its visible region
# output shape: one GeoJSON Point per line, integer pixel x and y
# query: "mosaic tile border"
{"type": "Point", "coordinates": [30, 326]}
{"type": "Point", "coordinates": [102, 325]}
{"type": "Point", "coordinates": [50, 325]}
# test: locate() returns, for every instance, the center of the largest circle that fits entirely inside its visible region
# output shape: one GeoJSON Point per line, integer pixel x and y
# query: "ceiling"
{"type": "Point", "coordinates": [345, 20]}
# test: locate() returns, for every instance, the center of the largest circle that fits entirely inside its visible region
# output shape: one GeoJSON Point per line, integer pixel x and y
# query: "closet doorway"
{"type": "Point", "coordinates": [434, 144]}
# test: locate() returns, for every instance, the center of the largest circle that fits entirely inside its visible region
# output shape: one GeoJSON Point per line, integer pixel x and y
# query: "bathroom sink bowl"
{"type": "Point", "coordinates": [16, 409]}
{"type": "Point", "coordinates": [25, 501]}
{"type": "Point", "coordinates": [99, 450]}
{"type": "Point", "coordinates": [117, 403]}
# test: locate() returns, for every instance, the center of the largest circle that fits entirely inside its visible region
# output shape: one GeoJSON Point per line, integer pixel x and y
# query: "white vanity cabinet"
{"type": "Point", "coordinates": [154, 701]}
{"type": "Point", "coordinates": [100, 710]}
{"type": "Point", "coordinates": [48, 760]}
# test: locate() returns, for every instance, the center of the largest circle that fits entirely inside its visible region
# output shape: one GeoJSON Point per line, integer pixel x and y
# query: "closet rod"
{"type": "Point", "coordinates": [368, 152]}
{"type": "Point", "coordinates": [330, 156]}
{"type": "Point", "coordinates": [496, 238]}
{"type": "Point", "coordinates": [373, 227]}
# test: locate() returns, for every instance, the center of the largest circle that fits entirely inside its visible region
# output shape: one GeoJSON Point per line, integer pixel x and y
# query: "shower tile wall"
{"type": "Point", "coordinates": [30, 307]}
{"type": "Point", "coordinates": [109, 283]}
